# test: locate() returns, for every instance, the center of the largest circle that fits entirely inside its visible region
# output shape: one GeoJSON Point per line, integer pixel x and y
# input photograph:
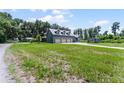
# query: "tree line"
{"type": "Point", "coordinates": [15, 28]}
{"type": "Point", "coordinates": [94, 32]}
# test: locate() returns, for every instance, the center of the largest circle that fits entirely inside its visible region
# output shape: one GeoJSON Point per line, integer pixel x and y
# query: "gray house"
{"type": "Point", "coordinates": [60, 36]}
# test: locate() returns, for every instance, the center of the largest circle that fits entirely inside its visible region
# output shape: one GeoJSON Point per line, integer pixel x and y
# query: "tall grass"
{"type": "Point", "coordinates": [47, 61]}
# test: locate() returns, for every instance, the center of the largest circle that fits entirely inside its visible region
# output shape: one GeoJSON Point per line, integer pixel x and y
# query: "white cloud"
{"type": "Point", "coordinates": [46, 18]}
{"type": "Point", "coordinates": [54, 18]}
{"type": "Point", "coordinates": [31, 19]}
{"type": "Point", "coordinates": [35, 10]}
{"type": "Point", "coordinates": [71, 15]}
{"type": "Point", "coordinates": [50, 18]}
{"type": "Point", "coordinates": [8, 10]}
{"type": "Point", "coordinates": [56, 12]}
{"type": "Point", "coordinates": [13, 10]}
{"type": "Point", "coordinates": [91, 22]}
{"type": "Point", "coordinates": [101, 22]}
{"type": "Point", "coordinates": [44, 10]}
{"type": "Point", "coordinates": [62, 12]}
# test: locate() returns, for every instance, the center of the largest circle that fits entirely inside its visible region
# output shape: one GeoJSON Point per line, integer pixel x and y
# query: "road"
{"type": "Point", "coordinates": [4, 76]}
{"type": "Point", "coordinates": [87, 44]}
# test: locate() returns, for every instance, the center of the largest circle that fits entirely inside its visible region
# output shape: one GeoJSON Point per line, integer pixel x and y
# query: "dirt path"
{"type": "Point", "coordinates": [86, 44]}
{"type": "Point", "coordinates": [4, 76]}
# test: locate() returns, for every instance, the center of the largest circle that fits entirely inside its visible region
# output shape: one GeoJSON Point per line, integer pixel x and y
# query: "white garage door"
{"type": "Point", "coordinates": [57, 40]}
{"type": "Point", "coordinates": [68, 40]}
{"type": "Point", "coordinates": [71, 40]}
{"type": "Point", "coordinates": [63, 40]}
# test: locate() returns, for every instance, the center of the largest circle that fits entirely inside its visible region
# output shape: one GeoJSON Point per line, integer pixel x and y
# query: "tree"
{"type": "Point", "coordinates": [115, 27]}
{"type": "Point", "coordinates": [97, 30]}
{"type": "Point", "coordinates": [105, 33]}
{"type": "Point", "coordinates": [2, 36]}
{"type": "Point", "coordinates": [79, 32]}
{"type": "Point", "coordinates": [85, 34]}
{"type": "Point", "coordinates": [18, 21]}
{"type": "Point", "coordinates": [46, 26]}
{"type": "Point", "coordinates": [91, 33]}
{"type": "Point", "coordinates": [55, 26]}
{"type": "Point", "coordinates": [110, 36]}
{"type": "Point", "coordinates": [122, 32]}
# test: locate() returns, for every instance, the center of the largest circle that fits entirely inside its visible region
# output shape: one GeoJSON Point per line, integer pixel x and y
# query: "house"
{"type": "Point", "coordinates": [60, 36]}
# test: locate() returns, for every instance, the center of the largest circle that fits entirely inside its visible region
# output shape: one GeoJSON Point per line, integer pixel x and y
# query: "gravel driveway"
{"type": "Point", "coordinates": [4, 76]}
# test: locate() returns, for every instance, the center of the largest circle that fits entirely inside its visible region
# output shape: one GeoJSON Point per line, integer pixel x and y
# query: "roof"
{"type": "Point", "coordinates": [58, 32]}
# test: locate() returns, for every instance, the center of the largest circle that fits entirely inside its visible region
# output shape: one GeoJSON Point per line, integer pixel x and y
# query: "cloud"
{"type": "Point", "coordinates": [71, 15]}
{"type": "Point", "coordinates": [62, 12]}
{"type": "Point", "coordinates": [50, 18]}
{"type": "Point", "coordinates": [31, 19]}
{"type": "Point", "coordinates": [13, 10]}
{"type": "Point", "coordinates": [57, 12]}
{"type": "Point", "coordinates": [44, 10]}
{"type": "Point", "coordinates": [91, 22]}
{"type": "Point", "coordinates": [101, 22]}
{"type": "Point", "coordinates": [8, 10]}
{"type": "Point", "coordinates": [35, 10]}
{"type": "Point", "coordinates": [54, 18]}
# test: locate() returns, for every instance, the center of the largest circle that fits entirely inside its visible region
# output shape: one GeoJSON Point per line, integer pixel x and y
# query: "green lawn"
{"type": "Point", "coordinates": [111, 44]}
{"type": "Point", "coordinates": [50, 62]}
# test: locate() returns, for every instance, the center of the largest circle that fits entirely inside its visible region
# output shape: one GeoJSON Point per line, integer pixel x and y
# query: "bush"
{"type": "Point", "coordinates": [2, 37]}
{"type": "Point", "coordinates": [39, 38]}
{"type": "Point", "coordinates": [113, 41]}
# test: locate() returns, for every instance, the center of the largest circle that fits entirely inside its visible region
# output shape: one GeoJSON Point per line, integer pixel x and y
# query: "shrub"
{"type": "Point", "coordinates": [2, 37]}
{"type": "Point", "coordinates": [39, 38]}
{"type": "Point", "coordinates": [113, 41]}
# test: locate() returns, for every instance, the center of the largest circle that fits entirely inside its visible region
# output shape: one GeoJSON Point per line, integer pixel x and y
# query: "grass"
{"type": "Point", "coordinates": [50, 62]}
{"type": "Point", "coordinates": [11, 69]}
{"type": "Point", "coordinates": [111, 44]}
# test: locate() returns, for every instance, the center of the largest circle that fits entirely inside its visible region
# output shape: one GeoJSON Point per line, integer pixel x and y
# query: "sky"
{"type": "Point", "coordinates": [74, 18]}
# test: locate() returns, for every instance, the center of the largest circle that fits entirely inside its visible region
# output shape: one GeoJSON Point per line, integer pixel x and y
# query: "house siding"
{"type": "Point", "coordinates": [49, 37]}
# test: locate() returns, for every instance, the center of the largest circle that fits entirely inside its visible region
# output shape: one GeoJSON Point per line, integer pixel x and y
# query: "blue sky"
{"type": "Point", "coordinates": [74, 18]}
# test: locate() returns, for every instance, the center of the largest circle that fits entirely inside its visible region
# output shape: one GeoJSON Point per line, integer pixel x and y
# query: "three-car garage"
{"type": "Point", "coordinates": [63, 40]}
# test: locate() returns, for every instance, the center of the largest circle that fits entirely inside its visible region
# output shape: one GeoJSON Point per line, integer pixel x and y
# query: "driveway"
{"type": "Point", "coordinates": [4, 76]}
{"type": "Point", "coordinates": [87, 44]}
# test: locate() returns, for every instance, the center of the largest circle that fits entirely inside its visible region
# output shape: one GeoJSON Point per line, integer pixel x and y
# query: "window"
{"type": "Point", "coordinates": [57, 32]}
{"type": "Point", "coordinates": [62, 33]}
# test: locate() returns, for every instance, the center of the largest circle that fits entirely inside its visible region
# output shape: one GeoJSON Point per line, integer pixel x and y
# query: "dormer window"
{"type": "Point", "coordinates": [67, 33]}
{"type": "Point", "coordinates": [62, 33]}
{"type": "Point", "coordinates": [57, 32]}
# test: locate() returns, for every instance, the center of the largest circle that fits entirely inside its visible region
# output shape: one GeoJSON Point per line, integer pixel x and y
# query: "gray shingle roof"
{"type": "Point", "coordinates": [61, 32]}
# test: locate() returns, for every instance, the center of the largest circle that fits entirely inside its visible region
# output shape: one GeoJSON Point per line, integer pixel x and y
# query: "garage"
{"type": "Point", "coordinates": [60, 36]}
{"type": "Point", "coordinates": [68, 40]}
{"type": "Point", "coordinates": [63, 40]}
{"type": "Point", "coordinates": [71, 40]}
{"type": "Point", "coordinates": [57, 40]}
